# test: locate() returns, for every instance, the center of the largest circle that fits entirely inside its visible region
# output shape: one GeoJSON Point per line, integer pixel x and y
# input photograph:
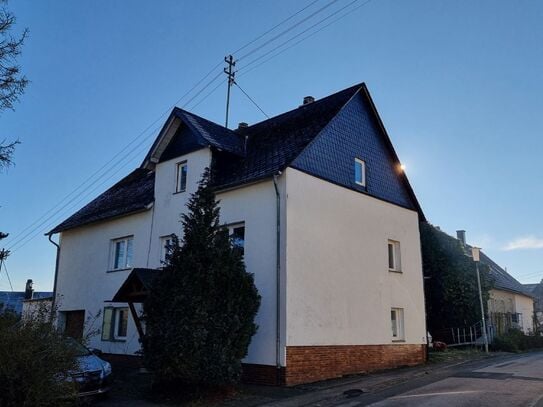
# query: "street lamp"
{"type": "Point", "coordinates": [475, 254]}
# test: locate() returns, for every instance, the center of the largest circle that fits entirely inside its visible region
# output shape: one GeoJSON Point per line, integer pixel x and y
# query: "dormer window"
{"type": "Point", "coordinates": [181, 179]}
{"type": "Point", "coordinates": [360, 172]}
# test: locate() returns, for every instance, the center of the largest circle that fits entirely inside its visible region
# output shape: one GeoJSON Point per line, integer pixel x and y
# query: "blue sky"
{"type": "Point", "coordinates": [458, 85]}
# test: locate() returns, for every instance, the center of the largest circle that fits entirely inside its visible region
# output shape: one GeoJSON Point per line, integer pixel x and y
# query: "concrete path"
{"type": "Point", "coordinates": [515, 380]}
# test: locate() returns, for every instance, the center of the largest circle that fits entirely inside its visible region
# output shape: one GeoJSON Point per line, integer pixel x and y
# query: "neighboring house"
{"type": "Point", "coordinates": [326, 217]}
{"type": "Point", "coordinates": [14, 300]}
{"type": "Point", "coordinates": [537, 291]}
{"type": "Point", "coordinates": [510, 305]}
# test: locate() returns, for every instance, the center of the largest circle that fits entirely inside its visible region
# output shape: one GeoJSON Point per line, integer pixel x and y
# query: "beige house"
{"type": "Point", "coordinates": [511, 305]}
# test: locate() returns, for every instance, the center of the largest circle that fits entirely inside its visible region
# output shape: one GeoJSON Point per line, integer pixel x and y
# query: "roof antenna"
{"type": "Point", "coordinates": [230, 74]}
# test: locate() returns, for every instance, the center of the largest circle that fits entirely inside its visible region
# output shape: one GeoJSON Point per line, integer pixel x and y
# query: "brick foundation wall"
{"type": "Point", "coordinates": [307, 364]}
{"type": "Point", "coordinates": [263, 374]}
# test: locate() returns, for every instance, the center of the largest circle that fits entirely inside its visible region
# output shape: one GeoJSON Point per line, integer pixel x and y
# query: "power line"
{"type": "Point", "coordinates": [301, 40]}
{"type": "Point", "coordinates": [3, 263]}
{"type": "Point", "coordinates": [113, 159]}
{"type": "Point", "coordinates": [303, 32]}
{"type": "Point", "coordinates": [274, 27]}
{"type": "Point", "coordinates": [288, 29]}
{"type": "Point", "coordinates": [251, 99]}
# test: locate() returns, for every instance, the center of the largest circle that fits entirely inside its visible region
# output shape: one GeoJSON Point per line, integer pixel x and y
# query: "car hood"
{"type": "Point", "coordinates": [89, 363]}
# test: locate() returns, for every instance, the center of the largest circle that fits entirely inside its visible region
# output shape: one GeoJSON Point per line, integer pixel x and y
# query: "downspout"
{"type": "Point", "coordinates": [56, 274]}
{"type": "Point", "coordinates": [278, 279]}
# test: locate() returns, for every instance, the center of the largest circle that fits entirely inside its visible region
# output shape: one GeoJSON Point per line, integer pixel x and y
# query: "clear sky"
{"type": "Point", "coordinates": [458, 84]}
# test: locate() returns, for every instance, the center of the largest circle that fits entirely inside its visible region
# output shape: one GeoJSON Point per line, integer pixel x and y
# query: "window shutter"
{"type": "Point", "coordinates": [107, 324]}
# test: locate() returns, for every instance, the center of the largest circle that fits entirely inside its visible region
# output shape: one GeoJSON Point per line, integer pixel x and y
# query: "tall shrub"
{"type": "Point", "coordinates": [199, 315]}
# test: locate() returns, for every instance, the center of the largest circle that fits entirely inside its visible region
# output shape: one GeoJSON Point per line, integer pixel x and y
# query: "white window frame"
{"type": "Point", "coordinates": [399, 335]}
{"type": "Point", "coordinates": [362, 163]}
{"type": "Point", "coordinates": [396, 256]}
{"type": "Point", "coordinates": [126, 261]}
{"type": "Point", "coordinates": [111, 322]}
{"type": "Point", "coordinates": [179, 187]}
{"type": "Point", "coordinates": [163, 249]}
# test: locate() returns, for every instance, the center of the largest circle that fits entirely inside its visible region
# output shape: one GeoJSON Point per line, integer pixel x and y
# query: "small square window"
{"type": "Point", "coordinates": [181, 179]}
{"type": "Point", "coordinates": [396, 319]}
{"type": "Point", "coordinates": [394, 258]}
{"type": "Point", "coordinates": [122, 253]}
{"type": "Point", "coordinates": [360, 172]}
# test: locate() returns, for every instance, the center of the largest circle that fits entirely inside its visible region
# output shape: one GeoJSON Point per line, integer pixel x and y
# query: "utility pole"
{"type": "Point", "coordinates": [230, 74]}
{"type": "Point", "coordinates": [476, 258]}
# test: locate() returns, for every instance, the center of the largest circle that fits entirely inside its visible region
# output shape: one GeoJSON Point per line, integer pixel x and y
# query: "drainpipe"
{"type": "Point", "coordinates": [56, 275]}
{"type": "Point", "coordinates": [278, 278]}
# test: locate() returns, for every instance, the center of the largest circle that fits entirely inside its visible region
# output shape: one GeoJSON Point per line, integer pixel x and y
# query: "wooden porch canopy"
{"type": "Point", "coordinates": [134, 290]}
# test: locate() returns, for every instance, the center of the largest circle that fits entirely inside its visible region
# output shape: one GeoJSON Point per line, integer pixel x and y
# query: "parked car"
{"type": "Point", "coordinates": [94, 375]}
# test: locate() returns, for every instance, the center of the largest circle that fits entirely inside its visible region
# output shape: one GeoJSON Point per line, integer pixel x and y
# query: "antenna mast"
{"type": "Point", "coordinates": [230, 74]}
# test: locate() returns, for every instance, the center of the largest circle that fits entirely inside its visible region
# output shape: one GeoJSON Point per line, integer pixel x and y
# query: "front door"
{"type": "Point", "coordinates": [75, 322]}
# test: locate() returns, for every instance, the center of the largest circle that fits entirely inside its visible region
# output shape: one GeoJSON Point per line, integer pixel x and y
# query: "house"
{"type": "Point", "coordinates": [510, 304]}
{"type": "Point", "coordinates": [15, 300]}
{"type": "Point", "coordinates": [537, 291]}
{"type": "Point", "coordinates": [327, 220]}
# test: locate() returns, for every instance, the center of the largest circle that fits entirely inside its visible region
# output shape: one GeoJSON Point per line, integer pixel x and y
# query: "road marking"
{"type": "Point", "coordinates": [445, 393]}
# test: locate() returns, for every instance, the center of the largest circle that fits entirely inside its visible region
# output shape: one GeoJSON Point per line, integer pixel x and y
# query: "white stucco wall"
{"type": "Point", "coordinates": [339, 289]}
{"type": "Point", "coordinates": [85, 281]}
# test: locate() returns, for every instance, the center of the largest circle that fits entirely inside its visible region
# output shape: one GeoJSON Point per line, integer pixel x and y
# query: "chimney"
{"type": "Point", "coordinates": [242, 125]}
{"type": "Point", "coordinates": [461, 235]}
{"type": "Point", "coordinates": [28, 290]}
{"type": "Point", "coordinates": [308, 100]}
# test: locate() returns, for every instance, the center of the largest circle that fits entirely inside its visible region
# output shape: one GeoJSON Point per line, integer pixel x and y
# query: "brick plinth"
{"type": "Point", "coordinates": [307, 364]}
{"type": "Point", "coordinates": [263, 374]}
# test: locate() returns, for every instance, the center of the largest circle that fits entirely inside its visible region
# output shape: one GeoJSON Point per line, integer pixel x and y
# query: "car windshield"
{"type": "Point", "coordinates": [79, 349]}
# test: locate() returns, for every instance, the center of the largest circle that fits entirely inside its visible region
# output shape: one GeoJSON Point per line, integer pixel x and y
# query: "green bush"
{"type": "Point", "coordinates": [34, 362]}
{"type": "Point", "coordinates": [516, 341]}
{"type": "Point", "coordinates": [200, 311]}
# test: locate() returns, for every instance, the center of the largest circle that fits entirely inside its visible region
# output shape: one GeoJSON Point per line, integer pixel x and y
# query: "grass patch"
{"type": "Point", "coordinates": [453, 355]}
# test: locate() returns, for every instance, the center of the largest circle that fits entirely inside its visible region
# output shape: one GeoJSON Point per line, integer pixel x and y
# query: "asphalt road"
{"type": "Point", "coordinates": [517, 381]}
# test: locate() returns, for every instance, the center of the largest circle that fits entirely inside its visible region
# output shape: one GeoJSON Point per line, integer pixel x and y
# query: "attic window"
{"type": "Point", "coordinates": [360, 172]}
{"type": "Point", "coordinates": [181, 179]}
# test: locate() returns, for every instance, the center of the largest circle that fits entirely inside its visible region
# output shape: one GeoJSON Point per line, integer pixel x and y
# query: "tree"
{"type": "Point", "coordinates": [199, 314]}
{"type": "Point", "coordinates": [450, 285]}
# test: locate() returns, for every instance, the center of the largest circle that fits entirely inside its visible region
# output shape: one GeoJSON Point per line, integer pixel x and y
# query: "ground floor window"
{"type": "Point", "coordinates": [115, 324]}
{"type": "Point", "coordinates": [396, 319]}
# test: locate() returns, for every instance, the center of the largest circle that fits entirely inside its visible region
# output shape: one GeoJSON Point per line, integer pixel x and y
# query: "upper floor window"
{"type": "Point", "coordinates": [394, 260]}
{"type": "Point", "coordinates": [237, 234]}
{"type": "Point", "coordinates": [396, 319]}
{"type": "Point", "coordinates": [166, 247]}
{"type": "Point", "coordinates": [122, 250]}
{"type": "Point", "coordinates": [360, 172]}
{"type": "Point", "coordinates": [181, 179]}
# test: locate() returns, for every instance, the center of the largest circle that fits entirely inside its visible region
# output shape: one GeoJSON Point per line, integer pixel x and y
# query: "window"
{"type": "Point", "coordinates": [360, 172]}
{"type": "Point", "coordinates": [237, 234]}
{"type": "Point", "coordinates": [394, 263]}
{"type": "Point", "coordinates": [181, 179]}
{"type": "Point", "coordinates": [115, 324]}
{"type": "Point", "coordinates": [122, 250]}
{"type": "Point", "coordinates": [166, 247]}
{"type": "Point", "coordinates": [396, 319]}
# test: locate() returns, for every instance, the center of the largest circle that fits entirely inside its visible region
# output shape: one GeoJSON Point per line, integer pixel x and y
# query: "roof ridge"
{"type": "Point", "coordinates": [317, 101]}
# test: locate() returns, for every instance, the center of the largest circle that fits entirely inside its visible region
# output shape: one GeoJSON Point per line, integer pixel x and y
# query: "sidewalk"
{"type": "Point", "coordinates": [330, 392]}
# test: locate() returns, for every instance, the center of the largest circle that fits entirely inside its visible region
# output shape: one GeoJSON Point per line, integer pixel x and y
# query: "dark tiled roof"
{"type": "Point", "coordinates": [502, 279]}
{"type": "Point", "coordinates": [530, 287]}
{"type": "Point", "coordinates": [132, 194]}
{"type": "Point", "coordinates": [13, 300]}
{"type": "Point", "coordinates": [274, 143]}
{"type": "Point", "coordinates": [216, 135]}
